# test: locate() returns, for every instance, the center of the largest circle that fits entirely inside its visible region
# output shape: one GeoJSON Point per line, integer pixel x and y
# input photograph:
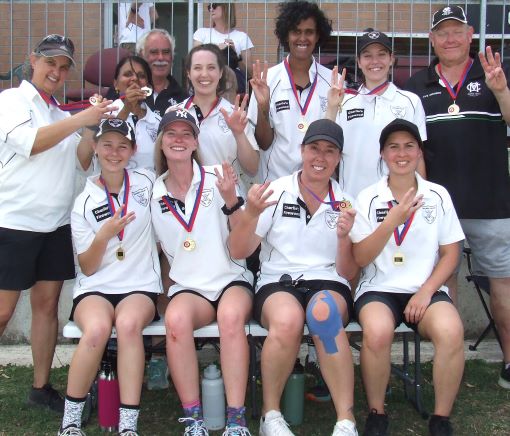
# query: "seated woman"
{"type": "Point", "coordinates": [119, 279]}
{"type": "Point", "coordinates": [192, 209]}
{"type": "Point", "coordinates": [406, 237]}
{"type": "Point", "coordinates": [303, 222]}
{"type": "Point", "coordinates": [132, 75]}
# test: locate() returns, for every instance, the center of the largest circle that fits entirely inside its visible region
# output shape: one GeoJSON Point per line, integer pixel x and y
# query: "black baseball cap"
{"type": "Point", "coordinates": [373, 37]}
{"type": "Point", "coordinates": [178, 115]}
{"type": "Point", "coordinates": [450, 12]}
{"type": "Point", "coordinates": [326, 130]}
{"type": "Point", "coordinates": [56, 45]}
{"type": "Point", "coordinates": [399, 125]}
{"type": "Point", "coordinates": [116, 125]}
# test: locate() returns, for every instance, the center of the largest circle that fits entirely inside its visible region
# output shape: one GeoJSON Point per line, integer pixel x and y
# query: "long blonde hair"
{"type": "Point", "coordinates": [160, 162]}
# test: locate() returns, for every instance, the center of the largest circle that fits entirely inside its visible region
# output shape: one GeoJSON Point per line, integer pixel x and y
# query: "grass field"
{"type": "Point", "coordinates": [482, 408]}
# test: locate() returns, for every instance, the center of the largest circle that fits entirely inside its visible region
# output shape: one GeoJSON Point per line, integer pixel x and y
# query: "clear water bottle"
{"type": "Point", "coordinates": [294, 395]}
{"type": "Point", "coordinates": [108, 398]}
{"type": "Point", "coordinates": [213, 398]}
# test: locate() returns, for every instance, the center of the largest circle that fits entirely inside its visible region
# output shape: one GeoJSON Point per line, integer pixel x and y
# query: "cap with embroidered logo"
{"type": "Point", "coordinates": [451, 12]}
{"type": "Point", "coordinates": [56, 45]}
{"type": "Point", "coordinates": [374, 37]}
{"type": "Point", "coordinates": [174, 115]}
{"type": "Point", "coordinates": [116, 125]}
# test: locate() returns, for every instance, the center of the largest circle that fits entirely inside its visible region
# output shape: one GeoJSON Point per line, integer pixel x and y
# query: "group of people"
{"type": "Point", "coordinates": [334, 189]}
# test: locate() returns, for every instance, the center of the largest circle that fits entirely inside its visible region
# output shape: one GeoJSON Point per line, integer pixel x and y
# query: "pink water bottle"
{"type": "Point", "coordinates": [108, 399]}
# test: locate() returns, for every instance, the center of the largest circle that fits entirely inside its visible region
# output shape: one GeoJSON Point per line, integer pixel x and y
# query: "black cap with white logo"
{"type": "Point", "coordinates": [174, 115]}
{"type": "Point", "coordinates": [116, 125]}
{"type": "Point", "coordinates": [374, 37]}
{"type": "Point", "coordinates": [450, 12]}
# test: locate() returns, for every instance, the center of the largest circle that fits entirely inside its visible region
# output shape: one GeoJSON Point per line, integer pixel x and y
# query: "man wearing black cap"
{"type": "Point", "coordinates": [467, 103]}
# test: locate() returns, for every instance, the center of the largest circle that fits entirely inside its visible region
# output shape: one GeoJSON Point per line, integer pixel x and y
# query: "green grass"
{"type": "Point", "coordinates": [482, 407]}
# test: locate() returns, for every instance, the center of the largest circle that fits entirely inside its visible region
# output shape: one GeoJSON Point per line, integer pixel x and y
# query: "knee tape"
{"type": "Point", "coordinates": [328, 329]}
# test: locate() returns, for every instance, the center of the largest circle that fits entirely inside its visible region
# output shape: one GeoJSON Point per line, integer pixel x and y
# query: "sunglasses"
{"type": "Point", "coordinates": [212, 6]}
{"type": "Point", "coordinates": [56, 39]}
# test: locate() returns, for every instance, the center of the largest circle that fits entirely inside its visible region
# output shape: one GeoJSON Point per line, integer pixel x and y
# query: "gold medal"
{"type": "Point", "coordinates": [453, 109]}
{"type": "Point", "coordinates": [147, 90]}
{"type": "Point", "coordinates": [398, 259]}
{"type": "Point", "coordinates": [120, 254]}
{"type": "Point", "coordinates": [93, 101]}
{"type": "Point", "coordinates": [189, 244]}
{"type": "Point", "coordinates": [302, 126]}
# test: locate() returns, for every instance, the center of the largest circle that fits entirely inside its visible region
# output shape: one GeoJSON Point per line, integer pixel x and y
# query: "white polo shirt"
{"type": "Point", "coordinates": [283, 157]}
{"type": "Point", "coordinates": [140, 270]}
{"type": "Point", "coordinates": [434, 224]}
{"type": "Point", "coordinates": [130, 33]}
{"type": "Point", "coordinates": [209, 267]}
{"type": "Point", "coordinates": [207, 35]}
{"type": "Point", "coordinates": [36, 192]}
{"type": "Point", "coordinates": [146, 132]}
{"type": "Point", "coordinates": [217, 142]}
{"type": "Point", "coordinates": [295, 242]}
{"type": "Point", "coordinates": [362, 119]}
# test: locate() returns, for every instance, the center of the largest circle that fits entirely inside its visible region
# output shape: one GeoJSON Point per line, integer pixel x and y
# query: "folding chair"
{"type": "Point", "coordinates": [482, 285]}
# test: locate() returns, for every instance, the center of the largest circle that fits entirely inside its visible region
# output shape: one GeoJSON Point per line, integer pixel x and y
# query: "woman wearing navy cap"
{"type": "Point", "coordinates": [39, 145]}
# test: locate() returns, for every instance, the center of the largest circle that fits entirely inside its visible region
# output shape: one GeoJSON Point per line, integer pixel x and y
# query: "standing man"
{"type": "Point", "coordinates": [157, 48]}
{"type": "Point", "coordinates": [467, 103]}
{"type": "Point", "coordinates": [134, 20]}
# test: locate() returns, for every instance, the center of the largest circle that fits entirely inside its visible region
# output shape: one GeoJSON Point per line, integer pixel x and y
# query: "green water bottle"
{"type": "Point", "coordinates": [294, 395]}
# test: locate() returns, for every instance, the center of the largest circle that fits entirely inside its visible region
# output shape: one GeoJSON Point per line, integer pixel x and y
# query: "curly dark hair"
{"type": "Point", "coordinates": [213, 48]}
{"type": "Point", "coordinates": [292, 13]}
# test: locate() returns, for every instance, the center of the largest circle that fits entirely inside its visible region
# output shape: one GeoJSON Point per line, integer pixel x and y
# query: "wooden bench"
{"type": "Point", "coordinates": [409, 374]}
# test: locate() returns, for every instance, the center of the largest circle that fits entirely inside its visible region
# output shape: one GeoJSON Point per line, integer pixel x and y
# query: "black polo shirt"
{"type": "Point", "coordinates": [169, 96]}
{"type": "Point", "coordinates": [466, 153]}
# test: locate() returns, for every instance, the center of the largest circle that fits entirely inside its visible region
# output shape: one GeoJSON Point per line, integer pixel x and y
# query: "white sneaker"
{"type": "Point", "coordinates": [273, 424]}
{"type": "Point", "coordinates": [236, 431]}
{"type": "Point", "coordinates": [345, 427]}
{"type": "Point", "coordinates": [194, 427]}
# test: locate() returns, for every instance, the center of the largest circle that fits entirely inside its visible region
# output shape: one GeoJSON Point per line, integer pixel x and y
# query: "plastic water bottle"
{"type": "Point", "coordinates": [213, 398]}
{"type": "Point", "coordinates": [108, 399]}
{"type": "Point", "coordinates": [294, 395]}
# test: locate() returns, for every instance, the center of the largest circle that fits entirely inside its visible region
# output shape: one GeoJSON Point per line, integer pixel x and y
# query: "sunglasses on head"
{"type": "Point", "coordinates": [58, 39]}
{"type": "Point", "coordinates": [212, 6]}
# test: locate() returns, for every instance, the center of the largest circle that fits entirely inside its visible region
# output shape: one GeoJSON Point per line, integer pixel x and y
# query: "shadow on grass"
{"type": "Point", "coordinates": [482, 407]}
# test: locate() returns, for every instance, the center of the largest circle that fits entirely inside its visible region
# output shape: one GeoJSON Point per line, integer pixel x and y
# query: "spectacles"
{"type": "Point", "coordinates": [212, 6]}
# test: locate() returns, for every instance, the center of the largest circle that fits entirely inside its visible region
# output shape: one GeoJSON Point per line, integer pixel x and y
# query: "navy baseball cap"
{"type": "Point", "coordinates": [326, 130]}
{"type": "Point", "coordinates": [399, 125]}
{"type": "Point", "coordinates": [374, 37]}
{"type": "Point", "coordinates": [174, 115]}
{"type": "Point", "coordinates": [56, 45]}
{"type": "Point", "coordinates": [450, 12]}
{"type": "Point", "coordinates": [116, 125]}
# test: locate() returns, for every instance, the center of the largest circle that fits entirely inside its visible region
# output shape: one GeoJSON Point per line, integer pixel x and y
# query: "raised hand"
{"type": "Point", "coordinates": [259, 84]}
{"type": "Point", "coordinates": [256, 201]}
{"type": "Point", "coordinates": [93, 115]}
{"type": "Point", "coordinates": [337, 91]}
{"type": "Point", "coordinates": [345, 222]}
{"type": "Point", "coordinates": [409, 204]}
{"type": "Point", "coordinates": [226, 183]}
{"type": "Point", "coordinates": [494, 74]}
{"type": "Point", "coordinates": [114, 225]}
{"type": "Point", "coordinates": [237, 119]}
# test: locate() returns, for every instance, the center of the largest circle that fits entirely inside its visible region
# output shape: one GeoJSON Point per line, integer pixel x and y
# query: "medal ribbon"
{"type": "Point", "coordinates": [454, 93]}
{"type": "Point", "coordinates": [373, 91]}
{"type": "Point", "coordinates": [335, 205]}
{"type": "Point", "coordinates": [304, 108]}
{"type": "Point", "coordinates": [190, 101]}
{"type": "Point", "coordinates": [187, 225]}
{"type": "Point", "coordinates": [111, 204]}
{"type": "Point", "coordinates": [399, 236]}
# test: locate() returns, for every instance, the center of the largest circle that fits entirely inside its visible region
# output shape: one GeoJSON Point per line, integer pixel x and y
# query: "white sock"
{"type": "Point", "coordinates": [128, 417]}
{"type": "Point", "coordinates": [73, 408]}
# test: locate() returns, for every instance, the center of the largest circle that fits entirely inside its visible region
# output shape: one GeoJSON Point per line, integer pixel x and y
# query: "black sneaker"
{"type": "Point", "coordinates": [376, 424]}
{"type": "Point", "coordinates": [71, 430]}
{"type": "Point", "coordinates": [46, 397]}
{"type": "Point", "coordinates": [504, 377]}
{"type": "Point", "coordinates": [440, 426]}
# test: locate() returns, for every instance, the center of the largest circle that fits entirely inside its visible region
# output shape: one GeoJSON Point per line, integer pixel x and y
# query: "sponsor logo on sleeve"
{"type": "Point", "coordinates": [282, 105]}
{"type": "Point", "coordinates": [291, 210]}
{"type": "Point", "coordinates": [380, 214]}
{"type": "Point", "coordinates": [355, 113]}
{"type": "Point", "coordinates": [101, 213]}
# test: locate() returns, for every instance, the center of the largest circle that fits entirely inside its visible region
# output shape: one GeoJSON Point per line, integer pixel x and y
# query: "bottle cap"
{"type": "Point", "coordinates": [212, 372]}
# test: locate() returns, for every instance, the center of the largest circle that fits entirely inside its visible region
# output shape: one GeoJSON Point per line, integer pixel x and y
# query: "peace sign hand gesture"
{"type": "Point", "coordinates": [259, 84]}
{"type": "Point", "coordinates": [237, 119]}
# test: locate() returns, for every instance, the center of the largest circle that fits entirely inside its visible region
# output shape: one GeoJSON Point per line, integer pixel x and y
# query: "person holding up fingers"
{"type": "Point", "coordinates": [303, 222]}
{"type": "Point", "coordinates": [119, 281]}
{"type": "Point", "coordinates": [405, 237]}
{"type": "Point", "coordinates": [193, 208]}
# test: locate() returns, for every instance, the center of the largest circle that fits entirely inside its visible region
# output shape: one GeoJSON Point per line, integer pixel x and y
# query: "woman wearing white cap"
{"type": "Point", "coordinates": [38, 150]}
{"type": "Point", "coordinates": [193, 207]}
{"type": "Point", "coordinates": [302, 221]}
{"type": "Point", "coordinates": [405, 237]}
{"type": "Point", "coordinates": [119, 281]}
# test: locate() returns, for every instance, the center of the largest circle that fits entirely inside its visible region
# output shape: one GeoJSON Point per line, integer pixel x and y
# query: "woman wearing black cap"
{"type": "Point", "coordinates": [405, 237]}
{"type": "Point", "coordinates": [364, 112]}
{"type": "Point", "coordinates": [193, 207]}
{"type": "Point", "coordinates": [119, 281]}
{"type": "Point", "coordinates": [38, 150]}
{"type": "Point", "coordinates": [302, 222]}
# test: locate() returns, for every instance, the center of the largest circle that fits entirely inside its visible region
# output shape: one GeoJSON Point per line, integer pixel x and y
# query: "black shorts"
{"type": "Point", "coordinates": [215, 303]}
{"type": "Point", "coordinates": [28, 257]}
{"type": "Point", "coordinates": [115, 299]}
{"type": "Point", "coordinates": [303, 292]}
{"type": "Point", "coordinates": [397, 303]}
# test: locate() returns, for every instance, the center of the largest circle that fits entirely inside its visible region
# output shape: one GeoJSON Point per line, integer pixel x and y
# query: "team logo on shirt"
{"type": "Point", "coordinates": [331, 217]}
{"type": "Point", "coordinates": [324, 103]}
{"type": "Point", "coordinates": [222, 124]}
{"type": "Point", "coordinates": [282, 105]}
{"type": "Point", "coordinates": [153, 133]}
{"type": "Point", "coordinates": [291, 210]}
{"type": "Point", "coordinates": [398, 111]}
{"type": "Point", "coordinates": [474, 89]}
{"type": "Point", "coordinates": [207, 197]}
{"type": "Point", "coordinates": [141, 196]}
{"type": "Point", "coordinates": [355, 113]}
{"type": "Point", "coordinates": [429, 213]}
{"type": "Point", "coordinates": [101, 213]}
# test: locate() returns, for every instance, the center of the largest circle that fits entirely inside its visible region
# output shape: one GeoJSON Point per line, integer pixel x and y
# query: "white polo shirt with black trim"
{"type": "Point", "coordinates": [209, 267]}
{"type": "Point", "coordinates": [140, 270]}
{"type": "Point", "coordinates": [434, 224]}
{"type": "Point", "coordinates": [294, 241]}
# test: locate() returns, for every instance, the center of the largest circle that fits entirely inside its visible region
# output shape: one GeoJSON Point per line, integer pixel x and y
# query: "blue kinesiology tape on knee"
{"type": "Point", "coordinates": [328, 329]}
